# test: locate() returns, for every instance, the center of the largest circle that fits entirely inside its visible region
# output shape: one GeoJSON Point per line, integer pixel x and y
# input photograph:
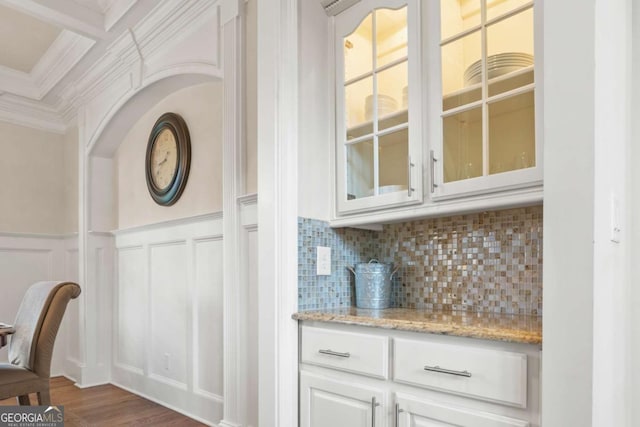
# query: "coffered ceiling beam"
{"type": "Point", "coordinates": [65, 14]}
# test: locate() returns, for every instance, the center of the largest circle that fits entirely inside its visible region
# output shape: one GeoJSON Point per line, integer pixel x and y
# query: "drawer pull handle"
{"type": "Point", "coordinates": [334, 353]}
{"type": "Point", "coordinates": [448, 371]}
{"type": "Point", "coordinates": [398, 410]}
{"type": "Point", "coordinates": [373, 411]}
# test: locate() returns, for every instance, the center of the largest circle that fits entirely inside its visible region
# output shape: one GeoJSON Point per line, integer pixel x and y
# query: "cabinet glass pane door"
{"type": "Point", "coordinates": [360, 160]}
{"type": "Point", "coordinates": [463, 145]}
{"type": "Point", "coordinates": [376, 104]}
{"type": "Point", "coordinates": [487, 57]}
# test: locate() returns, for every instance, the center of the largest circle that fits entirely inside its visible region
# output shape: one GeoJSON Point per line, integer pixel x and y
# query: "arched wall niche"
{"type": "Point", "coordinates": [116, 255]}
{"type": "Point", "coordinates": [114, 205]}
{"type": "Point", "coordinates": [128, 109]}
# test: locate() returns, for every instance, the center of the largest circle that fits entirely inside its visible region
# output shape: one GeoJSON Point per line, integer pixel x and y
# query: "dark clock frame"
{"type": "Point", "coordinates": [171, 193]}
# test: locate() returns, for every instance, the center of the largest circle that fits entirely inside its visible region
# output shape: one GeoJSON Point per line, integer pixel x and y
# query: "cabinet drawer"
{"type": "Point", "coordinates": [347, 351]}
{"type": "Point", "coordinates": [493, 375]}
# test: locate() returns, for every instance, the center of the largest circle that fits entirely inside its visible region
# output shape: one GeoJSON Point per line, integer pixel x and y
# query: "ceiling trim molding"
{"type": "Point", "coordinates": [115, 11]}
{"type": "Point", "coordinates": [68, 18]}
{"type": "Point", "coordinates": [65, 52]}
{"type": "Point", "coordinates": [31, 114]}
{"type": "Point", "coordinates": [167, 22]}
{"type": "Point", "coordinates": [163, 25]}
{"type": "Point", "coordinates": [18, 83]}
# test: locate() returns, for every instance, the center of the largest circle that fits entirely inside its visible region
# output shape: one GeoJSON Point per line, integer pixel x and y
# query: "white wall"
{"type": "Point", "coordinates": [33, 174]}
{"type": "Point", "coordinates": [611, 285]}
{"type": "Point", "coordinates": [568, 214]}
{"type": "Point", "coordinates": [251, 97]}
{"type": "Point", "coordinates": [634, 225]}
{"type": "Point", "coordinates": [314, 114]}
{"type": "Point", "coordinates": [201, 108]}
{"type": "Point", "coordinates": [586, 358]}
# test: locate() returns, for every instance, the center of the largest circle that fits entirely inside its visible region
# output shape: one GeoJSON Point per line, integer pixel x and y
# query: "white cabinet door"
{"type": "Point", "coordinates": [325, 402]}
{"type": "Point", "coordinates": [486, 127]}
{"type": "Point", "coordinates": [378, 106]}
{"type": "Point", "coordinates": [412, 412]}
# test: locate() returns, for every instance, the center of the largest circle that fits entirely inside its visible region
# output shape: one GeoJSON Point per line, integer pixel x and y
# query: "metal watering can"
{"type": "Point", "coordinates": [373, 284]}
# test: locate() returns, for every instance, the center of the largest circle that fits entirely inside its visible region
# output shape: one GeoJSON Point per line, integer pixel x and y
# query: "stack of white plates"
{"type": "Point", "coordinates": [497, 65]}
{"type": "Point", "coordinates": [405, 97]}
{"type": "Point", "coordinates": [388, 189]}
{"type": "Point", "coordinates": [386, 105]}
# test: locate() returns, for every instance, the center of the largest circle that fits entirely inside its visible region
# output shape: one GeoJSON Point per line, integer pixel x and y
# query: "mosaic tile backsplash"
{"type": "Point", "coordinates": [484, 262]}
{"type": "Point", "coordinates": [348, 247]}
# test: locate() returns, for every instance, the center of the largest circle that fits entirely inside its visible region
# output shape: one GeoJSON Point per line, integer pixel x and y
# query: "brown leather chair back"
{"type": "Point", "coordinates": [37, 324]}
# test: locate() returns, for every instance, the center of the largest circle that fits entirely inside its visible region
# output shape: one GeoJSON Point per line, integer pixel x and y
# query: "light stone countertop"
{"type": "Point", "coordinates": [488, 326]}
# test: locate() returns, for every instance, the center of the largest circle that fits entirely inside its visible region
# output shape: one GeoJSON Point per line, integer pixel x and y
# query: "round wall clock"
{"type": "Point", "coordinates": [168, 159]}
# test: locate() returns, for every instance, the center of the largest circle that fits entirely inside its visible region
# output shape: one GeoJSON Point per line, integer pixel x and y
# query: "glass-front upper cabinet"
{"type": "Point", "coordinates": [486, 119]}
{"type": "Point", "coordinates": [378, 104]}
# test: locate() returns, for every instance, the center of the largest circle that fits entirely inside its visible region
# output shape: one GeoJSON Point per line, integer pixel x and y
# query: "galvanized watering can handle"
{"type": "Point", "coordinates": [372, 260]}
{"type": "Point", "coordinates": [395, 270]}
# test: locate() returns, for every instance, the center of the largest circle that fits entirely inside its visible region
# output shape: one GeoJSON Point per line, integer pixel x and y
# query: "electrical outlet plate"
{"type": "Point", "coordinates": [323, 261]}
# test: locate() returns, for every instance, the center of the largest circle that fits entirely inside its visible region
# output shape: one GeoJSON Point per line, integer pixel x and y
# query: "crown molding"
{"type": "Point", "coordinates": [18, 83]}
{"type": "Point", "coordinates": [115, 11]}
{"type": "Point", "coordinates": [65, 52]}
{"type": "Point", "coordinates": [164, 25]}
{"type": "Point", "coordinates": [63, 14]}
{"type": "Point", "coordinates": [20, 111]}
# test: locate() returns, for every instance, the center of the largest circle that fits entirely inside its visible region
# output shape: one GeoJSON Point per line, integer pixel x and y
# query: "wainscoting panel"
{"type": "Point", "coordinates": [207, 304]}
{"type": "Point", "coordinates": [168, 336]}
{"type": "Point", "coordinates": [168, 290]}
{"type": "Point", "coordinates": [29, 258]}
{"type": "Point", "coordinates": [132, 310]}
{"type": "Point", "coordinates": [69, 336]}
{"type": "Point", "coordinates": [72, 316]}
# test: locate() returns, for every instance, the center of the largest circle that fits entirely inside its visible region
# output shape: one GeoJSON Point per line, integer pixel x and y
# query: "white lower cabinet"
{"type": "Point", "coordinates": [354, 376]}
{"type": "Point", "coordinates": [425, 413]}
{"type": "Point", "coordinates": [326, 402]}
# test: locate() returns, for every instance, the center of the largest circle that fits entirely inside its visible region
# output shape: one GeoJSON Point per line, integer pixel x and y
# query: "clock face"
{"type": "Point", "coordinates": [168, 159]}
{"type": "Point", "coordinates": [164, 159]}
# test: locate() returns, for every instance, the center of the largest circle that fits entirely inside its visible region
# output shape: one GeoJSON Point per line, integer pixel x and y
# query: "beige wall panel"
{"type": "Point", "coordinates": [33, 176]}
{"type": "Point", "coordinates": [70, 223]}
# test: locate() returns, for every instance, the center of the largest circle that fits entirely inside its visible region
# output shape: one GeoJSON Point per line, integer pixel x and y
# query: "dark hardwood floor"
{"type": "Point", "coordinates": [108, 405]}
